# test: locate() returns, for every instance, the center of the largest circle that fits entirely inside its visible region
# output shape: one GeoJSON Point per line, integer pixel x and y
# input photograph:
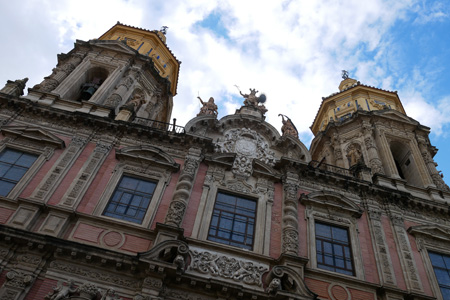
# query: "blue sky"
{"type": "Point", "coordinates": [293, 51]}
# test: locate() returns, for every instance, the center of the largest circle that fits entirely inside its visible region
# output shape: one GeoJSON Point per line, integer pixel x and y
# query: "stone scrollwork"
{"type": "Point", "coordinates": [248, 145]}
{"type": "Point", "coordinates": [62, 291]}
{"type": "Point", "coordinates": [282, 279]}
{"type": "Point", "coordinates": [227, 267]}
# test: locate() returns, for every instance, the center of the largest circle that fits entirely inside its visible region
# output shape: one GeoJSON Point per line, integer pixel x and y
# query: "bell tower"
{"type": "Point", "coordinates": [364, 126]}
{"type": "Point", "coordinates": [128, 74]}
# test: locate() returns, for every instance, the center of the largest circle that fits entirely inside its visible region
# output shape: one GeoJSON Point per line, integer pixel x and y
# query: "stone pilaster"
{"type": "Point", "coordinates": [183, 188]}
{"type": "Point", "coordinates": [431, 167]}
{"type": "Point", "coordinates": [405, 252]}
{"type": "Point", "coordinates": [120, 92]}
{"type": "Point", "coordinates": [87, 173]}
{"type": "Point", "coordinates": [386, 270]}
{"type": "Point", "coordinates": [59, 169]}
{"type": "Point", "coordinates": [60, 73]}
{"type": "Point", "coordinates": [290, 214]}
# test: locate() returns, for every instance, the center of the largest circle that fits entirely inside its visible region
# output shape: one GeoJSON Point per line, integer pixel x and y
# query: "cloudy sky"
{"type": "Point", "coordinates": [293, 51]}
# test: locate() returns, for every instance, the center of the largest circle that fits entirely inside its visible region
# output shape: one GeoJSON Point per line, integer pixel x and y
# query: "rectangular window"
{"type": "Point", "coordinates": [13, 165]}
{"type": "Point", "coordinates": [441, 266]}
{"type": "Point", "coordinates": [233, 221]}
{"type": "Point", "coordinates": [333, 249]}
{"type": "Point", "coordinates": [130, 199]}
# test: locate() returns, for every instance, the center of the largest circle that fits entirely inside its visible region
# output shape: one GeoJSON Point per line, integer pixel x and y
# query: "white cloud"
{"type": "Point", "coordinates": [292, 50]}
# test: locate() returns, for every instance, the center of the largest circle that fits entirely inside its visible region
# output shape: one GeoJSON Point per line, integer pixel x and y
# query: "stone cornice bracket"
{"type": "Point", "coordinates": [173, 253]}
{"type": "Point", "coordinates": [290, 214]}
{"type": "Point", "coordinates": [183, 188]}
{"type": "Point", "coordinates": [284, 281]}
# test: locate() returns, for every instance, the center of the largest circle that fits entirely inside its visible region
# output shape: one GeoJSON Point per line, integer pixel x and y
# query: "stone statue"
{"type": "Point", "coordinates": [208, 108]}
{"type": "Point", "coordinates": [288, 127]}
{"type": "Point", "coordinates": [250, 99]}
{"type": "Point", "coordinates": [354, 155]}
{"type": "Point", "coordinates": [62, 291]}
{"type": "Point", "coordinates": [137, 100]}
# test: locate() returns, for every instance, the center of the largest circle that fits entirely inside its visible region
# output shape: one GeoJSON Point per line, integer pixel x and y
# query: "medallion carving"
{"type": "Point", "coordinates": [248, 145]}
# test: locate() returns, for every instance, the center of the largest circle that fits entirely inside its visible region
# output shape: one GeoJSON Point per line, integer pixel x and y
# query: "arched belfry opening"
{"type": "Point", "coordinates": [93, 80]}
{"type": "Point", "coordinates": [404, 163]}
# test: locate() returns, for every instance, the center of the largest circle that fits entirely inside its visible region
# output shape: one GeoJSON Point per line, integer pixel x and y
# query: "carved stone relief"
{"type": "Point", "coordinates": [290, 215]}
{"type": "Point", "coordinates": [381, 246]}
{"type": "Point", "coordinates": [248, 145]}
{"type": "Point", "coordinates": [405, 252]}
{"type": "Point", "coordinates": [60, 168]}
{"type": "Point", "coordinates": [86, 174]}
{"type": "Point", "coordinates": [227, 267]}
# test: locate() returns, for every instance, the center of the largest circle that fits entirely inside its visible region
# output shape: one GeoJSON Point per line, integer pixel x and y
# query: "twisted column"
{"type": "Point", "coordinates": [290, 214]}
{"type": "Point", "coordinates": [183, 190]}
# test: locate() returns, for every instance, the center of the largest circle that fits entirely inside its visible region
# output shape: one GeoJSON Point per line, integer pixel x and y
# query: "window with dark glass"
{"type": "Point", "coordinates": [333, 249]}
{"type": "Point", "coordinates": [130, 199]}
{"type": "Point", "coordinates": [13, 165]}
{"type": "Point", "coordinates": [441, 266]}
{"type": "Point", "coordinates": [233, 221]}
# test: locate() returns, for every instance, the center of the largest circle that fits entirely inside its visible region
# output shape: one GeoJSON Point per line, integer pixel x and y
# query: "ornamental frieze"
{"type": "Point", "coordinates": [225, 266]}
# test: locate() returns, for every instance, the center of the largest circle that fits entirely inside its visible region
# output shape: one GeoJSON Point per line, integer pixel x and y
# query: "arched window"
{"type": "Point", "coordinates": [93, 80]}
{"type": "Point", "coordinates": [404, 162]}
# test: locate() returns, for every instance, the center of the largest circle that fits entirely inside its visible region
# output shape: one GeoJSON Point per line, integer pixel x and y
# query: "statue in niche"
{"type": "Point", "coordinates": [251, 100]}
{"type": "Point", "coordinates": [288, 127]}
{"type": "Point", "coordinates": [208, 108]}
{"type": "Point", "coordinates": [137, 100]}
{"type": "Point", "coordinates": [354, 155]}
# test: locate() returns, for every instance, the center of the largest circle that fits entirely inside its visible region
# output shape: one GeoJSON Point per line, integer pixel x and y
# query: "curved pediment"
{"type": "Point", "coordinates": [333, 199]}
{"type": "Point", "coordinates": [35, 134]}
{"type": "Point", "coordinates": [148, 154]}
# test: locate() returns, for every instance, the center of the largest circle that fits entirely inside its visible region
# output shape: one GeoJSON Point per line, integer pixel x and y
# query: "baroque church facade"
{"type": "Point", "coordinates": [103, 196]}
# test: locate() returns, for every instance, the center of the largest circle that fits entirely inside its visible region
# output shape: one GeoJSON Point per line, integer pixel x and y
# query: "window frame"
{"type": "Point", "coordinates": [434, 271]}
{"type": "Point", "coordinates": [220, 192]}
{"type": "Point", "coordinates": [43, 154]}
{"type": "Point", "coordinates": [344, 215]}
{"type": "Point", "coordinates": [333, 242]}
{"type": "Point", "coordinates": [117, 216]}
{"type": "Point", "coordinates": [155, 174]}
{"type": "Point", "coordinates": [261, 190]}
{"type": "Point", "coordinates": [431, 238]}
